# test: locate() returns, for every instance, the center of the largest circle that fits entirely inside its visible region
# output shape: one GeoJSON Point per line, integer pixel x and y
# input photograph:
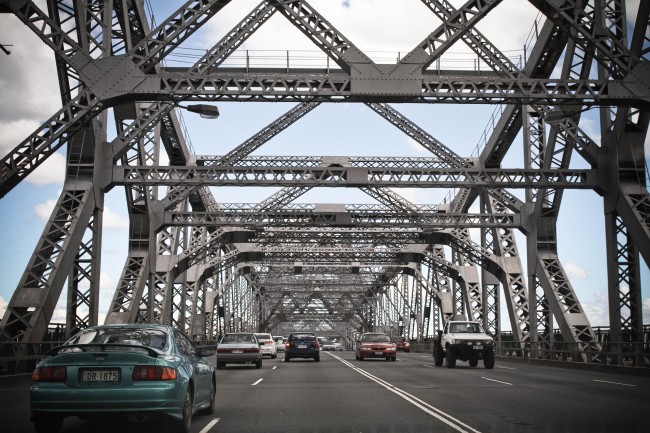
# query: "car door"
{"type": "Point", "coordinates": [197, 366]}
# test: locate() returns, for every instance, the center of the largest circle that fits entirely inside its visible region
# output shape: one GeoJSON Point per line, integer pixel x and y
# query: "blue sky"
{"type": "Point", "coordinates": [28, 83]}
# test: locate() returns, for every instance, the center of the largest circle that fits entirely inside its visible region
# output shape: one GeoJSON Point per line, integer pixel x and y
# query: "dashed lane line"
{"type": "Point", "coordinates": [494, 380]}
{"type": "Point", "coordinates": [258, 381]}
{"type": "Point", "coordinates": [211, 424]}
{"type": "Point", "coordinates": [613, 383]}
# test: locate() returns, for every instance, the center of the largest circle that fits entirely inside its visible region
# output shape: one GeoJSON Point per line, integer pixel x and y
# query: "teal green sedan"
{"type": "Point", "coordinates": [139, 371]}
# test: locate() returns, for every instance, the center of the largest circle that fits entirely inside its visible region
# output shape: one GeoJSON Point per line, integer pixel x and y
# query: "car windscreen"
{"type": "Point", "coordinates": [149, 337]}
{"type": "Point", "coordinates": [375, 339]}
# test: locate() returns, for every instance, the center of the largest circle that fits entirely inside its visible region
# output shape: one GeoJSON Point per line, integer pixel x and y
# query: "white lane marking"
{"type": "Point", "coordinates": [613, 383]}
{"type": "Point", "coordinates": [494, 380]}
{"type": "Point", "coordinates": [274, 367]}
{"type": "Point", "coordinates": [258, 381]}
{"type": "Point", "coordinates": [428, 366]}
{"type": "Point", "coordinates": [424, 406]}
{"type": "Point", "coordinates": [506, 368]}
{"type": "Point", "coordinates": [211, 424]}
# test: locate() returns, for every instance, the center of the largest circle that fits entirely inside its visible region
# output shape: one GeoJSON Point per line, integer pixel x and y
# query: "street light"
{"type": "Point", "coordinates": [206, 111]}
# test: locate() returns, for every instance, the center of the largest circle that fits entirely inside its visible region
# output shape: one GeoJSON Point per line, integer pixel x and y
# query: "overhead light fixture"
{"type": "Point", "coordinates": [555, 116]}
{"type": "Point", "coordinates": [206, 111]}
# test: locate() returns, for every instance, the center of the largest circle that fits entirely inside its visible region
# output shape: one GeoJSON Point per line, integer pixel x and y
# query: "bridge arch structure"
{"type": "Point", "coordinates": [338, 268]}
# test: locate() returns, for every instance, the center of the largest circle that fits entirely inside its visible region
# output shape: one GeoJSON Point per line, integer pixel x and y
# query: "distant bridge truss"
{"type": "Point", "coordinates": [337, 268]}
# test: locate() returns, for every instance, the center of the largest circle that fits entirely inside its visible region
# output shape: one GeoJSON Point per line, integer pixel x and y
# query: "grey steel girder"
{"type": "Point", "coordinates": [354, 177]}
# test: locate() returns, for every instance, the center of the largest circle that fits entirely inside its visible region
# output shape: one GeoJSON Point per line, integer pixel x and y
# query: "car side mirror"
{"type": "Point", "coordinates": [205, 352]}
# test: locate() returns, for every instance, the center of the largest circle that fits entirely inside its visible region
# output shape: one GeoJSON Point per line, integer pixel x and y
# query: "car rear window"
{"type": "Point", "coordinates": [238, 338]}
{"type": "Point", "coordinates": [304, 337]}
{"type": "Point", "coordinates": [149, 337]}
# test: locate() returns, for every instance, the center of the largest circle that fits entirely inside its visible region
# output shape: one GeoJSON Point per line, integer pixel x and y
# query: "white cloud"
{"type": "Point", "coordinates": [51, 171]}
{"type": "Point", "coordinates": [575, 271]}
{"type": "Point", "coordinates": [44, 210]}
{"type": "Point", "coordinates": [596, 308]}
{"type": "Point", "coordinates": [114, 221]}
{"type": "Point", "coordinates": [27, 76]}
{"type": "Point", "coordinates": [3, 307]}
{"type": "Point", "coordinates": [111, 221]}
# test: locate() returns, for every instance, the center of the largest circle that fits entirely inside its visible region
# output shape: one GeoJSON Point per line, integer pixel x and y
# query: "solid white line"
{"type": "Point", "coordinates": [494, 380]}
{"type": "Point", "coordinates": [506, 368]}
{"type": "Point", "coordinates": [211, 424]}
{"type": "Point", "coordinates": [613, 383]}
{"type": "Point", "coordinates": [257, 382]}
{"type": "Point", "coordinates": [424, 406]}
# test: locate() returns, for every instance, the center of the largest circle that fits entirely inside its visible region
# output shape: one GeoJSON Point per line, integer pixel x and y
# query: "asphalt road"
{"type": "Point", "coordinates": [340, 394]}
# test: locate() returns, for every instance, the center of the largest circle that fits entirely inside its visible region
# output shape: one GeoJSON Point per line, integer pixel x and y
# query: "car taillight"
{"type": "Point", "coordinates": [317, 346]}
{"type": "Point", "coordinates": [150, 372]}
{"type": "Point", "coordinates": [287, 345]}
{"type": "Point", "coordinates": [252, 350]}
{"type": "Point", "coordinates": [49, 374]}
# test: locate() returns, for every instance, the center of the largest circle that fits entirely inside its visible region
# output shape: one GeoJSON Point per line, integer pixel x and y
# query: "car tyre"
{"type": "Point", "coordinates": [488, 360]}
{"type": "Point", "coordinates": [360, 358]}
{"type": "Point", "coordinates": [258, 364]}
{"type": "Point", "coordinates": [47, 423]}
{"type": "Point", "coordinates": [274, 356]}
{"type": "Point", "coordinates": [437, 355]}
{"type": "Point", "coordinates": [317, 358]}
{"type": "Point", "coordinates": [213, 395]}
{"type": "Point", "coordinates": [183, 425]}
{"type": "Point", "coordinates": [393, 359]}
{"type": "Point", "coordinates": [286, 358]}
{"type": "Point", "coordinates": [451, 358]}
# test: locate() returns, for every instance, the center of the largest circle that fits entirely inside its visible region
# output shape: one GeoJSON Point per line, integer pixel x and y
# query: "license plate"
{"type": "Point", "coordinates": [478, 347]}
{"type": "Point", "coordinates": [379, 353]}
{"type": "Point", "coordinates": [237, 351]}
{"type": "Point", "coordinates": [301, 346]}
{"type": "Point", "coordinates": [100, 375]}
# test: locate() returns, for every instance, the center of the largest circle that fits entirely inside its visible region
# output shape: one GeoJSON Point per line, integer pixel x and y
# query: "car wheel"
{"type": "Point", "coordinates": [437, 355]}
{"type": "Point", "coordinates": [183, 425]}
{"type": "Point", "coordinates": [258, 364]}
{"type": "Point", "coordinates": [47, 423]}
{"type": "Point", "coordinates": [451, 358]}
{"type": "Point", "coordinates": [393, 359]}
{"type": "Point", "coordinates": [473, 362]}
{"type": "Point", "coordinates": [356, 357]}
{"type": "Point", "coordinates": [274, 356]}
{"type": "Point", "coordinates": [286, 358]}
{"type": "Point", "coordinates": [488, 359]}
{"type": "Point", "coordinates": [213, 394]}
{"type": "Point", "coordinates": [317, 358]}
{"type": "Point", "coordinates": [360, 358]}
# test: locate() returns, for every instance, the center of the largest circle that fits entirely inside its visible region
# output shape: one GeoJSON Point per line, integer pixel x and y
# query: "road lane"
{"type": "Point", "coordinates": [333, 396]}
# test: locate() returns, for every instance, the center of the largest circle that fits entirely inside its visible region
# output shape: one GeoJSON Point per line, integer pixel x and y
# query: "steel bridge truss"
{"type": "Point", "coordinates": [403, 268]}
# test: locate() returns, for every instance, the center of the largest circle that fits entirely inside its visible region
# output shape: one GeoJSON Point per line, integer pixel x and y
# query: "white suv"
{"type": "Point", "coordinates": [466, 341]}
{"type": "Point", "coordinates": [267, 345]}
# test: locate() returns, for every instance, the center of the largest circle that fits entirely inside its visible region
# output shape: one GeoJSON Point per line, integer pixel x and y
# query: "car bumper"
{"type": "Point", "coordinates": [239, 358]}
{"type": "Point", "coordinates": [377, 354]}
{"type": "Point", "coordinates": [465, 350]}
{"type": "Point", "coordinates": [163, 398]}
{"type": "Point", "coordinates": [302, 354]}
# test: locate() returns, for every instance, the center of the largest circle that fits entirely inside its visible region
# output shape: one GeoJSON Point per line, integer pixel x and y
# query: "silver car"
{"type": "Point", "coordinates": [239, 348]}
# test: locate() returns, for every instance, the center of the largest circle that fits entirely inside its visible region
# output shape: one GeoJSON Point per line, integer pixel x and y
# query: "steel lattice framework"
{"type": "Point", "coordinates": [209, 267]}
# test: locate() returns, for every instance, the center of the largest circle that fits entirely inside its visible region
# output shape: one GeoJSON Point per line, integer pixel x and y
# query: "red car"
{"type": "Point", "coordinates": [375, 345]}
{"type": "Point", "coordinates": [402, 344]}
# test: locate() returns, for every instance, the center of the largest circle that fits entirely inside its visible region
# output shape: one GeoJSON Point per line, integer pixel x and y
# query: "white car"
{"type": "Point", "coordinates": [279, 343]}
{"type": "Point", "coordinates": [267, 345]}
